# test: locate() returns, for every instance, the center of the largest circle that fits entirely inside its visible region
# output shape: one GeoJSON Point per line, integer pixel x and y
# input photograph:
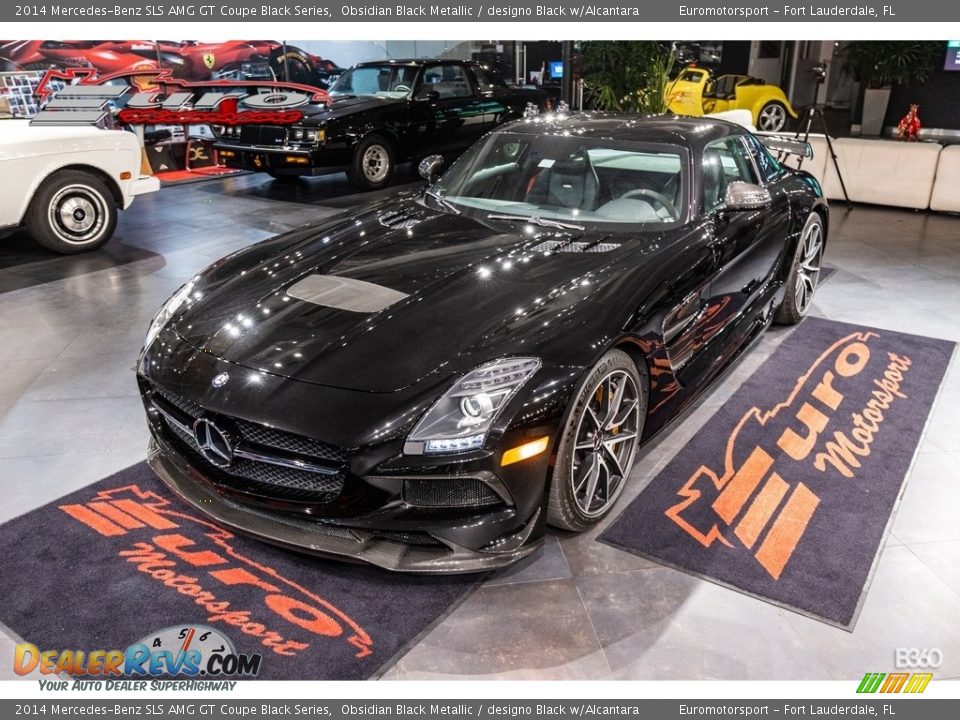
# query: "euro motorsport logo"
{"type": "Point", "coordinates": [191, 650]}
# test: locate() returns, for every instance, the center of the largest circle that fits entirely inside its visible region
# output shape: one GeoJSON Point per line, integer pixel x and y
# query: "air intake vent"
{"type": "Point", "coordinates": [449, 493]}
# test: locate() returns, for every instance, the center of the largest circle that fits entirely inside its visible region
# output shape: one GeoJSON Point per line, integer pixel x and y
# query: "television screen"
{"type": "Point", "coordinates": [556, 68]}
{"type": "Point", "coordinates": [953, 56]}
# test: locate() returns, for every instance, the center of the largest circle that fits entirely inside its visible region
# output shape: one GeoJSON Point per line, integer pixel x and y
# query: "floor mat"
{"type": "Point", "coordinates": [183, 177]}
{"type": "Point", "coordinates": [787, 491]}
{"type": "Point", "coordinates": [123, 559]}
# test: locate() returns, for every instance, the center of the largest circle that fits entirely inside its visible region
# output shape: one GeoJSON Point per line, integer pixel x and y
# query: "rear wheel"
{"type": "Point", "coordinates": [372, 164]}
{"type": "Point", "coordinates": [772, 117]}
{"type": "Point", "coordinates": [598, 443]}
{"type": "Point", "coordinates": [804, 273]}
{"type": "Point", "coordinates": [72, 211]}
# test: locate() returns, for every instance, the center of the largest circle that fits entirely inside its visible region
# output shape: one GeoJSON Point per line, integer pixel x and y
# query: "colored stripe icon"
{"type": "Point", "coordinates": [894, 682]}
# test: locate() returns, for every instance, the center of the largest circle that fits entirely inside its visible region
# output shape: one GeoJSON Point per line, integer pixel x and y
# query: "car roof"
{"type": "Point", "coordinates": [414, 62]}
{"type": "Point", "coordinates": [692, 132]}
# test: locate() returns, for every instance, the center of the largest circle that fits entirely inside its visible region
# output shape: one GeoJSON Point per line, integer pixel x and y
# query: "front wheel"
{"type": "Point", "coordinates": [772, 117]}
{"type": "Point", "coordinates": [72, 211]}
{"type": "Point", "coordinates": [372, 163]}
{"type": "Point", "coordinates": [598, 443]}
{"type": "Point", "coordinates": [804, 273]}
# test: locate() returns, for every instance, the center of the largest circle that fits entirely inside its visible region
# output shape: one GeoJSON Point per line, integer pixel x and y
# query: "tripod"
{"type": "Point", "coordinates": [815, 111]}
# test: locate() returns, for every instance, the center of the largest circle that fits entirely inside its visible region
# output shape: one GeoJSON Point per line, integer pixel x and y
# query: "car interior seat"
{"type": "Point", "coordinates": [570, 183]}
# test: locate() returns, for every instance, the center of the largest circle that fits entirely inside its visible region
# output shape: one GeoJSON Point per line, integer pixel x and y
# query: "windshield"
{"type": "Point", "coordinates": [391, 81]}
{"type": "Point", "coordinates": [577, 180]}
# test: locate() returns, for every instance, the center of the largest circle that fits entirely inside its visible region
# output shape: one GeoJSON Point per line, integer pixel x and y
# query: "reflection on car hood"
{"type": "Point", "coordinates": [340, 106]}
{"type": "Point", "coordinates": [426, 287]}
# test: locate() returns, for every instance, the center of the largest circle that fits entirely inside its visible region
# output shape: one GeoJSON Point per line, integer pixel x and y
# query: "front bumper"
{"type": "Point", "coordinates": [143, 185]}
{"type": "Point", "coordinates": [294, 161]}
{"type": "Point", "coordinates": [324, 539]}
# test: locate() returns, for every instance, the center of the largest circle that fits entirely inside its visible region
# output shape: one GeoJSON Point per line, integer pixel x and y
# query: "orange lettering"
{"type": "Point", "coordinates": [175, 543]}
{"type": "Point", "coordinates": [799, 447]}
{"type": "Point", "coordinates": [853, 359]}
{"type": "Point", "coordinates": [303, 615]}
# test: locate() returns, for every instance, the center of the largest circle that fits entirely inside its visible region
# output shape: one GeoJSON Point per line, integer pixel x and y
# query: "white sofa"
{"type": "Point", "coordinates": [946, 186]}
{"type": "Point", "coordinates": [883, 172]}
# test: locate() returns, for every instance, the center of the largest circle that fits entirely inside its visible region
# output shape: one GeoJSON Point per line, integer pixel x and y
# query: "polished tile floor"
{"type": "Point", "coordinates": [71, 327]}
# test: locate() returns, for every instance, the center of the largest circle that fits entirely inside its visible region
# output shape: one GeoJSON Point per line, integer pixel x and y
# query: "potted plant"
{"type": "Point", "coordinates": [877, 65]}
{"type": "Point", "coordinates": [626, 76]}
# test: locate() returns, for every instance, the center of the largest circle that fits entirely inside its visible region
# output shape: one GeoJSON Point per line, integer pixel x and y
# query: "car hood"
{"type": "Point", "coordinates": [379, 301]}
{"type": "Point", "coordinates": [336, 107]}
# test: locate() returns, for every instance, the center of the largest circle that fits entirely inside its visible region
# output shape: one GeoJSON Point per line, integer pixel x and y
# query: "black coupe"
{"type": "Point", "coordinates": [426, 384]}
{"type": "Point", "coordinates": [379, 114]}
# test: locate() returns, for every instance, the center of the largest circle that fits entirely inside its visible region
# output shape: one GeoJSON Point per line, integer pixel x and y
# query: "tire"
{"type": "Point", "coordinates": [772, 117]}
{"type": "Point", "coordinates": [804, 273]}
{"type": "Point", "coordinates": [72, 212]}
{"type": "Point", "coordinates": [363, 172]}
{"type": "Point", "coordinates": [582, 459]}
{"type": "Point", "coordinates": [294, 66]}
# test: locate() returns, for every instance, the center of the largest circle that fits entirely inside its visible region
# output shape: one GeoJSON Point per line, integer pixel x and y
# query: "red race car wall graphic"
{"type": "Point", "coordinates": [187, 60]}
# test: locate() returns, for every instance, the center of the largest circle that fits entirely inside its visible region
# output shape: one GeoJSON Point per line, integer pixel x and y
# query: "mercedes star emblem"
{"type": "Point", "coordinates": [213, 443]}
{"type": "Point", "coordinates": [220, 380]}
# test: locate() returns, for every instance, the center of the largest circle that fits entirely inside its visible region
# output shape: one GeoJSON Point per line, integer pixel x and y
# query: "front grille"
{"type": "Point", "coordinates": [271, 437]}
{"type": "Point", "coordinates": [257, 476]}
{"type": "Point", "coordinates": [449, 493]}
{"type": "Point", "coordinates": [266, 135]}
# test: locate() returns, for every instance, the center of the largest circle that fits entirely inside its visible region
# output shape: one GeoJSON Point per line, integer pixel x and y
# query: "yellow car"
{"type": "Point", "coordinates": [696, 92]}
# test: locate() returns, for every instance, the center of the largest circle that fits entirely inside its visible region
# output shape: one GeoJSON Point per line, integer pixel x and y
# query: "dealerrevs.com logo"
{"type": "Point", "coordinates": [184, 650]}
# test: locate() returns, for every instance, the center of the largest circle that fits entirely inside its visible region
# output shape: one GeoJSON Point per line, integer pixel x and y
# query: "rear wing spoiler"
{"type": "Point", "coordinates": [788, 146]}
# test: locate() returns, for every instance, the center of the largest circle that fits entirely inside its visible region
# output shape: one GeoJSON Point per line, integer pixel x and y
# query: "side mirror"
{"type": "Point", "coordinates": [430, 167]}
{"type": "Point", "coordinates": [429, 96]}
{"type": "Point", "coordinates": [745, 196]}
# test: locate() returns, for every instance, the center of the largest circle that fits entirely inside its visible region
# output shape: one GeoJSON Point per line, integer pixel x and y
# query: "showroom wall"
{"type": "Point", "coordinates": [937, 98]}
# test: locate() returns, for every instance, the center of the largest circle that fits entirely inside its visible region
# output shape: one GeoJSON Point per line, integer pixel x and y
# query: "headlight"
{"type": "Point", "coordinates": [308, 135]}
{"type": "Point", "coordinates": [462, 416]}
{"type": "Point", "coordinates": [168, 310]}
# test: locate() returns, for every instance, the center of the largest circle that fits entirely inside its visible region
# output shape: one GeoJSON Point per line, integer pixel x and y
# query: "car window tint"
{"type": "Point", "coordinates": [448, 81]}
{"type": "Point", "coordinates": [724, 162]}
{"type": "Point", "coordinates": [386, 80]}
{"type": "Point", "coordinates": [484, 79]}
{"type": "Point", "coordinates": [769, 167]}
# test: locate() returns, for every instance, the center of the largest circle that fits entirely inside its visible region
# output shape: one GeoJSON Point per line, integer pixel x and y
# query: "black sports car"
{"type": "Point", "coordinates": [379, 114]}
{"type": "Point", "coordinates": [426, 384]}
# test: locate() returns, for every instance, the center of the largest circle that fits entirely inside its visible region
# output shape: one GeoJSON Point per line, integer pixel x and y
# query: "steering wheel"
{"type": "Point", "coordinates": [659, 198]}
{"type": "Point", "coordinates": [401, 88]}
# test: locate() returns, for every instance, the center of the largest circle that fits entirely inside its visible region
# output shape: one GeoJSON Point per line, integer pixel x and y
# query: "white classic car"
{"type": "Point", "coordinates": [65, 183]}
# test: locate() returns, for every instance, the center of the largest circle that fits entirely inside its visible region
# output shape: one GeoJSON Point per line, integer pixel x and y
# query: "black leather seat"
{"type": "Point", "coordinates": [569, 183]}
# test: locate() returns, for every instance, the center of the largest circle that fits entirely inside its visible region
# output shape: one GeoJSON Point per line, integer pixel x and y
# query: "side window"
{"type": "Point", "coordinates": [769, 167]}
{"type": "Point", "coordinates": [724, 162]}
{"type": "Point", "coordinates": [448, 81]}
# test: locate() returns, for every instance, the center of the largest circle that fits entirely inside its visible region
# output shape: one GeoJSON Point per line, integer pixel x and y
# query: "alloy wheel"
{"type": "Point", "coordinates": [606, 442]}
{"type": "Point", "coordinates": [772, 118]}
{"type": "Point", "coordinates": [376, 163]}
{"type": "Point", "coordinates": [808, 266]}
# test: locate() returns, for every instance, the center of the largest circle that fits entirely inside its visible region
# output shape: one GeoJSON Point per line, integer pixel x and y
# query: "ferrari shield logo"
{"type": "Point", "coordinates": [209, 59]}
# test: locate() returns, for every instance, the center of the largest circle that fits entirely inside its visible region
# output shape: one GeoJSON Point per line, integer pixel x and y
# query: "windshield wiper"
{"type": "Point", "coordinates": [443, 202]}
{"type": "Point", "coordinates": [542, 222]}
